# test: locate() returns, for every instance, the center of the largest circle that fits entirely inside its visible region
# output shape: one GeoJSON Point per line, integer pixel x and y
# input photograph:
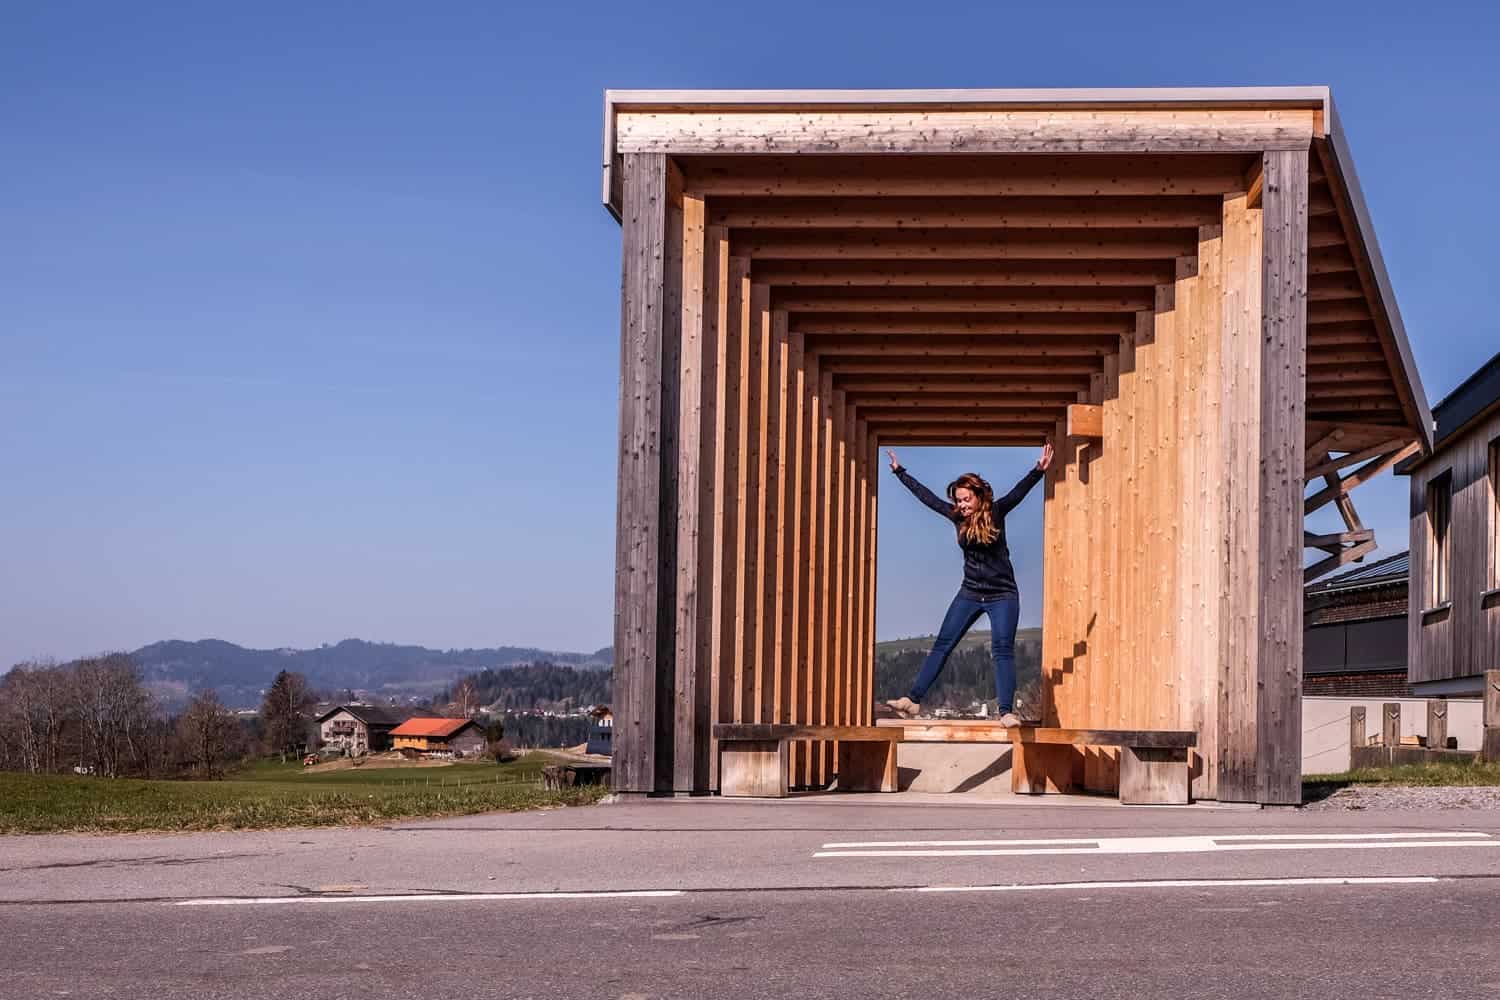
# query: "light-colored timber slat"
{"type": "Point", "coordinates": [957, 175]}
{"type": "Point", "coordinates": [968, 213]}
{"type": "Point", "coordinates": [1021, 324]}
{"type": "Point", "coordinates": [964, 244]}
{"type": "Point", "coordinates": [963, 274]}
{"type": "Point", "coordinates": [1031, 300]}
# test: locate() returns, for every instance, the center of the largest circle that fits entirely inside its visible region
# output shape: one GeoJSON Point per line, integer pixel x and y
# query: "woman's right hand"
{"type": "Point", "coordinates": [894, 464]}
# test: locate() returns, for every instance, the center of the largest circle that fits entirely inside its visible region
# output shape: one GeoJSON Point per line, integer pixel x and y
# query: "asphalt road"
{"type": "Point", "coordinates": [805, 898]}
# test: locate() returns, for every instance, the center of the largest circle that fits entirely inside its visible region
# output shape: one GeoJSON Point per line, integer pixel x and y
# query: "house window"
{"type": "Point", "coordinates": [1439, 517]}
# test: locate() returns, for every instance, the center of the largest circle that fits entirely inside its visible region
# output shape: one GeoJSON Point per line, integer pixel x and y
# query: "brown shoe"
{"type": "Point", "coordinates": [1010, 720]}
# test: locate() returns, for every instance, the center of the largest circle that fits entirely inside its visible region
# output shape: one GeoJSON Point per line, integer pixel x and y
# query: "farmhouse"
{"type": "Point", "coordinates": [1181, 289]}
{"type": "Point", "coordinates": [359, 728]}
{"type": "Point", "coordinates": [437, 735]}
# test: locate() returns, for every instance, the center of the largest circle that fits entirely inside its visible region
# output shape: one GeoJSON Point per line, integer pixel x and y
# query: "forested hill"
{"type": "Point", "coordinates": [968, 679]}
{"type": "Point", "coordinates": [176, 668]}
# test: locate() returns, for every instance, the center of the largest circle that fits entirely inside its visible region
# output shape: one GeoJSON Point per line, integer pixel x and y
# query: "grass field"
{"type": "Point", "coordinates": [271, 794]}
{"type": "Point", "coordinates": [1475, 774]}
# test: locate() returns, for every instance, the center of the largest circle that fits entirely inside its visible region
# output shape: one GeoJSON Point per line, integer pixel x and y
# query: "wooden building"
{"type": "Point", "coordinates": [463, 736]}
{"type": "Point", "coordinates": [359, 728]}
{"type": "Point", "coordinates": [1455, 543]}
{"type": "Point", "coordinates": [1181, 288]}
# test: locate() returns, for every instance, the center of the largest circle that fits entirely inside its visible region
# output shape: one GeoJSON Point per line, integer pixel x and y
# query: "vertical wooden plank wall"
{"type": "Point", "coordinates": [768, 574]}
{"type": "Point", "coordinates": [645, 557]}
{"type": "Point", "coordinates": [1172, 543]}
{"type": "Point", "coordinates": [1463, 639]}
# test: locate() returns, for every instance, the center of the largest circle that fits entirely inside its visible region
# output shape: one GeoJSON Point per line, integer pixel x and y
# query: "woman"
{"type": "Point", "coordinates": [989, 585]}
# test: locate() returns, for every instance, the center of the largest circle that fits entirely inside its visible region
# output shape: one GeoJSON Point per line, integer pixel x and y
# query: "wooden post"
{"type": "Point", "coordinates": [1357, 726]}
{"type": "Point", "coordinates": [1390, 724]}
{"type": "Point", "coordinates": [1264, 328]}
{"type": "Point", "coordinates": [1491, 749]}
{"type": "Point", "coordinates": [645, 553]}
{"type": "Point", "coordinates": [1437, 724]}
{"type": "Point", "coordinates": [1283, 431]}
{"type": "Point", "coordinates": [695, 471]}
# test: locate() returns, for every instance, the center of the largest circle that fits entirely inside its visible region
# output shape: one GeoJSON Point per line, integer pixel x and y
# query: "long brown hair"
{"type": "Point", "coordinates": [980, 525]}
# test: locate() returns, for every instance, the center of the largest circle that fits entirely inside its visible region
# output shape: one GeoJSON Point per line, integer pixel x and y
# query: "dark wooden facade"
{"type": "Point", "coordinates": [1455, 542]}
{"type": "Point", "coordinates": [1181, 289]}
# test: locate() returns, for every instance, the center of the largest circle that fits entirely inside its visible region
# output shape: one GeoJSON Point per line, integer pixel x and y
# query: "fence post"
{"type": "Point", "coordinates": [1390, 725]}
{"type": "Point", "coordinates": [1357, 726]}
{"type": "Point", "coordinates": [1491, 749]}
{"type": "Point", "coordinates": [1437, 724]}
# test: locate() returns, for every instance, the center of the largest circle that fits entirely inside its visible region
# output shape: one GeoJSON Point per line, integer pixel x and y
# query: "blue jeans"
{"type": "Point", "coordinates": [1005, 613]}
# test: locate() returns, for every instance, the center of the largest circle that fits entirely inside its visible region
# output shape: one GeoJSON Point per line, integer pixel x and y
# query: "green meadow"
{"type": "Point", "coordinates": [271, 794]}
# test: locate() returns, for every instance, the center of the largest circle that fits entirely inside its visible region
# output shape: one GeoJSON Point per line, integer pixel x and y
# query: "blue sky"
{"type": "Point", "coordinates": [309, 315]}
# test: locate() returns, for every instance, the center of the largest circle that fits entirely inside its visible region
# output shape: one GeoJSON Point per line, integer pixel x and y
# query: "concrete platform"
{"type": "Point", "coordinates": [981, 770]}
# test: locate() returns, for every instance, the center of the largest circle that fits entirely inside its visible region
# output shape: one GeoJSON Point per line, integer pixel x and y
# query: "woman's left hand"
{"type": "Point", "coordinates": [1046, 458]}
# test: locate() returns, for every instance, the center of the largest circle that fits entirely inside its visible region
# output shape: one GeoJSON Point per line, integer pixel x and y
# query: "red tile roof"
{"type": "Point", "coordinates": [440, 728]}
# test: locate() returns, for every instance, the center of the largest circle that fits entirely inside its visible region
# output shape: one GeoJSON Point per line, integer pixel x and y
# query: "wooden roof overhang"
{"type": "Point", "coordinates": [964, 261]}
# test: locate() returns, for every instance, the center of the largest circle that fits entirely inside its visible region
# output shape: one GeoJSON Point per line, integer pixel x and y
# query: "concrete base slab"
{"type": "Point", "coordinates": [978, 769]}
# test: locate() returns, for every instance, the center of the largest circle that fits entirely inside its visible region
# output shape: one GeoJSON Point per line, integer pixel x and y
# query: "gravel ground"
{"type": "Point", "coordinates": [1410, 797]}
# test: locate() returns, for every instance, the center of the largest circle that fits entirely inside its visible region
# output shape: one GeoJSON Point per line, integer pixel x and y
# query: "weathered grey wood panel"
{"type": "Point", "coordinates": [645, 563]}
{"type": "Point", "coordinates": [1458, 638]}
{"type": "Point", "coordinates": [1283, 403]}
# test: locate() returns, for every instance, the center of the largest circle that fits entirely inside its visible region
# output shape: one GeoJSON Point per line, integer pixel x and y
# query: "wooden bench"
{"type": "Point", "coordinates": [1154, 766]}
{"type": "Point", "coordinates": [753, 758]}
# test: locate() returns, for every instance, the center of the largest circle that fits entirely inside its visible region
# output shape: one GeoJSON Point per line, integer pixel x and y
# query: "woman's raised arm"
{"type": "Point", "coordinates": [922, 493]}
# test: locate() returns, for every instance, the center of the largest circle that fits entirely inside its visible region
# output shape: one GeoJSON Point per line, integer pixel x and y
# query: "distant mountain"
{"type": "Point", "coordinates": [175, 668]}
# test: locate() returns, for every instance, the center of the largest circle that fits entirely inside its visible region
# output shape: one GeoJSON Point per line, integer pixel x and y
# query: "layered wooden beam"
{"type": "Point", "coordinates": [907, 300]}
{"type": "Point", "coordinates": [1089, 325]}
{"type": "Point", "coordinates": [965, 213]}
{"type": "Point", "coordinates": [963, 244]}
{"type": "Point", "coordinates": [967, 131]}
{"type": "Point", "coordinates": [959, 175]}
{"type": "Point", "coordinates": [963, 274]}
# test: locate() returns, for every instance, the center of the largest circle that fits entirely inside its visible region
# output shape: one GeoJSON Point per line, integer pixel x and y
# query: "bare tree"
{"type": "Point", "coordinates": [284, 712]}
{"type": "Point", "coordinates": [113, 709]}
{"type": "Point", "coordinates": [207, 730]}
{"type": "Point", "coordinates": [465, 701]}
{"type": "Point", "coordinates": [33, 712]}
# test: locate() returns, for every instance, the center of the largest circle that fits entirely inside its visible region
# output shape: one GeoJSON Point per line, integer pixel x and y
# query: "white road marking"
{"type": "Point", "coordinates": [1156, 845]}
{"type": "Point", "coordinates": [1185, 883]}
{"type": "Point", "coordinates": [1425, 835]}
{"type": "Point", "coordinates": [433, 897]}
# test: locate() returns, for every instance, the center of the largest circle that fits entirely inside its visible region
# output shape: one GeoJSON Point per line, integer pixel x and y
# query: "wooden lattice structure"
{"type": "Point", "coordinates": [1181, 288]}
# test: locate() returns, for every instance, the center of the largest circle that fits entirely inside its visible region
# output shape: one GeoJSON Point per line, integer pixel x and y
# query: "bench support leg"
{"type": "Point", "coordinates": [1038, 768]}
{"type": "Point", "coordinates": [1153, 777]}
{"type": "Point", "coordinates": [867, 766]}
{"type": "Point", "coordinates": [753, 768]}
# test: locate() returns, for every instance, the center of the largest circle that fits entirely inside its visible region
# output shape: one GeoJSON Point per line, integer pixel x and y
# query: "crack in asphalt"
{"type": "Point", "coordinates": [161, 861]}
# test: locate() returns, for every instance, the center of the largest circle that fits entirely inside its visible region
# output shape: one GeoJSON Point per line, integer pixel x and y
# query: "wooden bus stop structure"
{"type": "Point", "coordinates": [1180, 288]}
